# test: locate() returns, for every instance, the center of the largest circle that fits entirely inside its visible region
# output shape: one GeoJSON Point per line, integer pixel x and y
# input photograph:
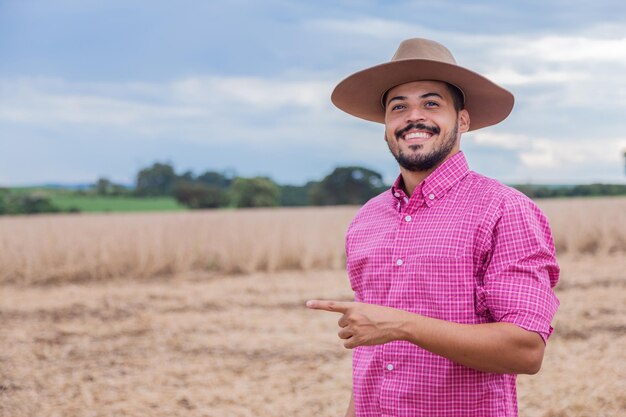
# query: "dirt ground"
{"type": "Point", "coordinates": [219, 345]}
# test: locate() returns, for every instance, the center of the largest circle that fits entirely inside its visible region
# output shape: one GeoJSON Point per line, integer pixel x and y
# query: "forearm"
{"type": "Point", "coordinates": [490, 347]}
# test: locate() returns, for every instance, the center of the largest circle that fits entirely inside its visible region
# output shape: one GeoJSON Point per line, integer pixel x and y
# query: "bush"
{"type": "Point", "coordinates": [196, 195]}
{"type": "Point", "coordinates": [255, 192]}
{"type": "Point", "coordinates": [32, 203]}
{"type": "Point", "coordinates": [347, 185]}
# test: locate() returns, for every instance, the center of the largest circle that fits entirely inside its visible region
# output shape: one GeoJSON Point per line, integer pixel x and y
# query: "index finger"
{"type": "Point", "coordinates": [329, 305]}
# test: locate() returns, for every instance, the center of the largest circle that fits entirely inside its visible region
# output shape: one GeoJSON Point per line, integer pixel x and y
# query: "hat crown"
{"type": "Point", "coordinates": [418, 48]}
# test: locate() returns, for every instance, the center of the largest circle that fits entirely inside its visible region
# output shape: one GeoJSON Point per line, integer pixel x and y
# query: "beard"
{"type": "Point", "coordinates": [417, 162]}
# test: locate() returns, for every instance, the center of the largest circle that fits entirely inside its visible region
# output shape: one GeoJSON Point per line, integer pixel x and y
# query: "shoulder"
{"type": "Point", "coordinates": [503, 209]}
{"type": "Point", "coordinates": [499, 197]}
{"type": "Point", "coordinates": [374, 208]}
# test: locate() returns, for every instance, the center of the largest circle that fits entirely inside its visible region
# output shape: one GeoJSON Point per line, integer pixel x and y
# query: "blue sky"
{"type": "Point", "coordinates": [104, 88]}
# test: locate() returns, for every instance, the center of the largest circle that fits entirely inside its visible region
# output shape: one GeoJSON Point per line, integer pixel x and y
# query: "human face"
{"type": "Point", "coordinates": [422, 127]}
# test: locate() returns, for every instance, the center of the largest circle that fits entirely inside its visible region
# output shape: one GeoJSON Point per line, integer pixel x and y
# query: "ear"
{"type": "Point", "coordinates": [464, 121]}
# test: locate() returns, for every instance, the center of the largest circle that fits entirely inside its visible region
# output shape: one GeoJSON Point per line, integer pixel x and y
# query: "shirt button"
{"type": "Point", "coordinates": [407, 218]}
{"type": "Point", "coordinates": [396, 194]}
{"type": "Point", "coordinates": [431, 196]}
{"type": "Point", "coordinates": [399, 262]}
{"type": "Point", "coordinates": [390, 367]}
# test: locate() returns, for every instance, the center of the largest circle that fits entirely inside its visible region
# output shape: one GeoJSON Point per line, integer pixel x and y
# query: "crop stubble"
{"type": "Point", "coordinates": [206, 343]}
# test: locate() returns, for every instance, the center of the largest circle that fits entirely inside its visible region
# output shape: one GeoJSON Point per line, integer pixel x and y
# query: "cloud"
{"type": "Point", "coordinates": [510, 76]}
{"type": "Point", "coordinates": [259, 93]}
{"type": "Point", "coordinates": [570, 49]}
{"type": "Point", "coordinates": [546, 153]}
{"type": "Point", "coordinates": [510, 141]}
{"type": "Point", "coordinates": [555, 154]}
{"type": "Point", "coordinates": [154, 109]}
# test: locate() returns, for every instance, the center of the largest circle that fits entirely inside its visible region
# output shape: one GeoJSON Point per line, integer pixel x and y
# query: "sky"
{"type": "Point", "coordinates": [92, 89]}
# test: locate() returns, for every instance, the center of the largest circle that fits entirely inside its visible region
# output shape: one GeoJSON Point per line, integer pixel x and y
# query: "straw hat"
{"type": "Point", "coordinates": [415, 60]}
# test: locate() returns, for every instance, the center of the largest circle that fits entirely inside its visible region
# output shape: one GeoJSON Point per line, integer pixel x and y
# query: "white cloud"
{"type": "Point", "coordinates": [274, 116]}
{"type": "Point", "coordinates": [158, 108]}
{"type": "Point", "coordinates": [569, 49]}
{"type": "Point", "coordinates": [551, 153]}
{"type": "Point", "coordinates": [554, 153]}
{"type": "Point", "coordinates": [260, 93]}
{"type": "Point", "coordinates": [510, 76]}
{"type": "Point", "coordinates": [509, 141]}
{"type": "Point", "coordinates": [513, 60]}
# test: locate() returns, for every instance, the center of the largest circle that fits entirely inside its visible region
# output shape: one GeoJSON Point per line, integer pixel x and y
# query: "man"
{"type": "Point", "coordinates": [452, 271]}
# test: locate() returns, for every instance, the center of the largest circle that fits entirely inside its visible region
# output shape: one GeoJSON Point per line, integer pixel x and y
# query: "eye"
{"type": "Point", "coordinates": [432, 104]}
{"type": "Point", "coordinates": [397, 107]}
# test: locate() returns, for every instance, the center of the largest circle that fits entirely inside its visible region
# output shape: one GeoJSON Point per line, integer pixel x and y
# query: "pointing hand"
{"type": "Point", "coordinates": [364, 324]}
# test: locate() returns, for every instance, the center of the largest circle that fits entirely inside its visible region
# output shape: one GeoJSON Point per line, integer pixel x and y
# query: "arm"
{"type": "Point", "coordinates": [490, 347]}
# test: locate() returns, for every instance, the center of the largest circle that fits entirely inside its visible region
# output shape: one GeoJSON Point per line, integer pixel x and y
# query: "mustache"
{"type": "Point", "coordinates": [417, 126]}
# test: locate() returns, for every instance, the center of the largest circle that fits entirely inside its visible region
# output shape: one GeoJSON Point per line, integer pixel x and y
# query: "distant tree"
{"type": "Point", "coordinates": [216, 179]}
{"type": "Point", "coordinates": [105, 187]}
{"type": "Point", "coordinates": [157, 180]}
{"type": "Point", "coordinates": [347, 185]}
{"type": "Point", "coordinates": [186, 176]}
{"type": "Point", "coordinates": [255, 192]}
{"type": "Point", "coordinates": [196, 195]}
{"type": "Point", "coordinates": [581, 190]}
{"type": "Point", "coordinates": [4, 196]}
{"type": "Point", "coordinates": [30, 203]}
{"type": "Point", "coordinates": [296, 195]}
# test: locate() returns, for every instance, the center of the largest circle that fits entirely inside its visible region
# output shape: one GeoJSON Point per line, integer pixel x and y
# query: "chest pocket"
{"type": "Point", "coordinates": [440, 287]}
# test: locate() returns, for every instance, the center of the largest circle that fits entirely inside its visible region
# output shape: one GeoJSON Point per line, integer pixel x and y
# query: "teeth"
{"type": "Point", "coordinates": [414, 135]}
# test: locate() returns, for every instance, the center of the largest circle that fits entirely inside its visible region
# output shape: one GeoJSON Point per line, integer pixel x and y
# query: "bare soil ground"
{"type": "Point", "coordinates": [202, 344]}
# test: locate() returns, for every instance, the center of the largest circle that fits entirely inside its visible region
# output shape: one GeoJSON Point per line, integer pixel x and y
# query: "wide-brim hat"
{"type": "Point", "coordinates": [361, 94]}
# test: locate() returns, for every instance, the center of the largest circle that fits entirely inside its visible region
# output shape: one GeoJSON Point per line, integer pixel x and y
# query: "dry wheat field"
{"type": "Point", "coordinates": [202, 314]}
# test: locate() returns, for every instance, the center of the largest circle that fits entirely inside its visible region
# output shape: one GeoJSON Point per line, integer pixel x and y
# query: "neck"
{"type": "Point", "coordinates": [412, 179]}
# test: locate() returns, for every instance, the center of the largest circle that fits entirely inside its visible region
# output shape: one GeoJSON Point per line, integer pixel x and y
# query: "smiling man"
{"type": "Point", "coordinates": [452, 271]}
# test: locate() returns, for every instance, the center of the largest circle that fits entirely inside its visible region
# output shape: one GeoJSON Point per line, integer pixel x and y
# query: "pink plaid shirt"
{"type": "Point", "coordinates": [464, 248]}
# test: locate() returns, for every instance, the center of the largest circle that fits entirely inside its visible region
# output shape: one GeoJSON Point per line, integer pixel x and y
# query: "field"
{"type": "Point", "coordinates": [201, 314]}
{"type": "Point", "coordinates": [66, 199]}
{"type": "Point", "coordinates": [115, 204]}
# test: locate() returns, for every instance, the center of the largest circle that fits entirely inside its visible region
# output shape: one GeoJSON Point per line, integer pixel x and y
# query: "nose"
{"type": "Point", "coordinates": [415, 114]}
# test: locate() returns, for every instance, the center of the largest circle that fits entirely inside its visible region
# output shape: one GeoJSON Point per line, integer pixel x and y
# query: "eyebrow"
{"type": "Point", "coordinates": [399, 98]}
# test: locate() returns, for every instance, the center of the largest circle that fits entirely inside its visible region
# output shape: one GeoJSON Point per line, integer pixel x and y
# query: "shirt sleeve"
{"type": "Point", "coordinates": [521, 268]}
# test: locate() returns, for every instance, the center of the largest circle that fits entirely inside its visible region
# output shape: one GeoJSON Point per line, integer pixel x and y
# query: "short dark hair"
{"type": "Point", "coordinates": [458, 99]}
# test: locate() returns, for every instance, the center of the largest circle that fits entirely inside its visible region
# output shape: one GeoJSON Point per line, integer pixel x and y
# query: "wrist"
{"type": "Point", "coordinates": [406, 326]}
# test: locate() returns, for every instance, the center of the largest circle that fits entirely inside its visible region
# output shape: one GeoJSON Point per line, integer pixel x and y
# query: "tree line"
{"type": "Point", "coordinates": [352, 185]}
{"type": "Point", "coordinates": [212, 189]}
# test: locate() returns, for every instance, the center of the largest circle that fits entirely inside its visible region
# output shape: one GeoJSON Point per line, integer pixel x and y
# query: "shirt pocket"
{"type": "Point", "coordinates": [439, 287]}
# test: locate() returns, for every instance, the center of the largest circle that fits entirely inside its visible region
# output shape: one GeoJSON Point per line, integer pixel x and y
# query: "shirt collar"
{"type": "Point", "coordinates": [437, 184]}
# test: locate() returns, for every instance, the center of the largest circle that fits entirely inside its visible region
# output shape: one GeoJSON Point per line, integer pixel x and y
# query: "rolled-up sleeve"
{"type": "Point", "coordinates": [522, 269]}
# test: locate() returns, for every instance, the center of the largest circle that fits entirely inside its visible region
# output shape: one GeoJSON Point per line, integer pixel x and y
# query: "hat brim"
{"type": "Point", "coordinates": [361, 93]}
